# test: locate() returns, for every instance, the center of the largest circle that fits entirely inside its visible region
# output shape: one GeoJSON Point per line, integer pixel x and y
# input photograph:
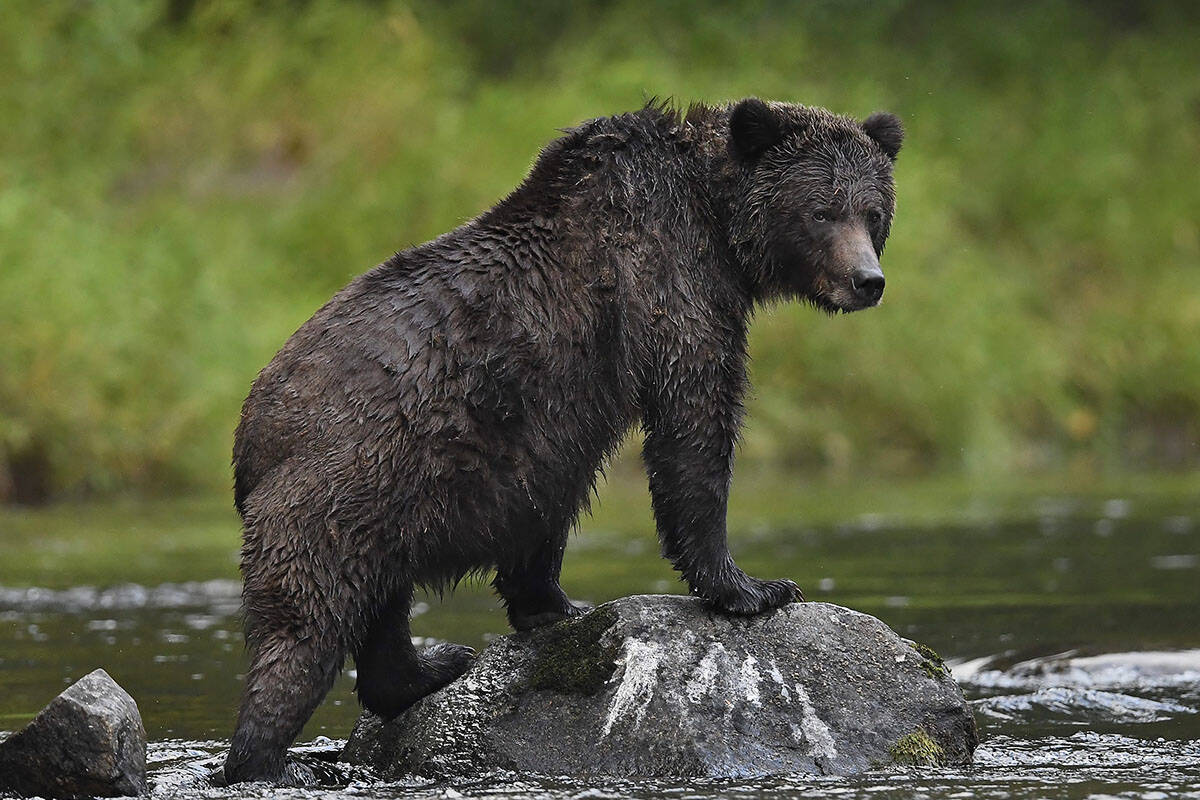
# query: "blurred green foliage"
{"type": "Point", "coordinates": [183, 183]}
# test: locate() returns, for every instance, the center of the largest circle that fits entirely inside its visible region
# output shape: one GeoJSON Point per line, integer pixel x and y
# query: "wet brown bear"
{"type": "Point", "coordinates": [447, 412]}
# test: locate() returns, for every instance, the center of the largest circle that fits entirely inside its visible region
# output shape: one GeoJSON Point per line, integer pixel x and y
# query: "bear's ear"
{"type": "Point", "coordinates": [887, 132]}
{"type": "Point", "coordinates": [753, 127]}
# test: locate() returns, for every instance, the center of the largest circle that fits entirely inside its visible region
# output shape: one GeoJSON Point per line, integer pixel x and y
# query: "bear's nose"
{"type": "Point", "coordinates": [868, 285]}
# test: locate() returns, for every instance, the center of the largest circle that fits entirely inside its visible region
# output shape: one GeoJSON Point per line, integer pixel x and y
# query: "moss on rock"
{"type": "Point", "coordinates": [917, 749]}
{"type": "Point", "coordinates": [571, 656]}
{"type": "Point", "coordinates": [931, 662]}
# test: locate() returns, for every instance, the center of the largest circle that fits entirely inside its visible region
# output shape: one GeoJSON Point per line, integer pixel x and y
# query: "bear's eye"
{"type": "Point", "coordinates": [874, 217]}
{"type": "Point", "coordinates": [823, 215]}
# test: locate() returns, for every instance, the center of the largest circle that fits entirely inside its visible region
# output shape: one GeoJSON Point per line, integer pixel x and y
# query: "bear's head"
{"type": "Point", "coordinates": [815, 203]}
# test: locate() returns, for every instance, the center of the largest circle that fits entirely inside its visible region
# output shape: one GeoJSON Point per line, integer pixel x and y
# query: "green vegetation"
{"type": "Point", "coordinates": [182, 184]}
{"type": "Point", "coordinates": [571, 655]}
{"type": "Point", "coordinates": [147, 542]}
{"type": "Point", "coordinates": [916, 749]}
{"type": "Point", "coordinates": [931, 663]}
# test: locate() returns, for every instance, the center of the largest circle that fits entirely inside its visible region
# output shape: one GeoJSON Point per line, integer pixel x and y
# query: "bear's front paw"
{"type": "Point", "coordinates": [522, 620]}
{"type": "Point", "coordinates": [745, 596]}
{"type": "Point", "coordinates": [580, 607]}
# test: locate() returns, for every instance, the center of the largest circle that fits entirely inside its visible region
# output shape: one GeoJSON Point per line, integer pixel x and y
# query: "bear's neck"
{"type": "Point", "coordinates": [659, 183]}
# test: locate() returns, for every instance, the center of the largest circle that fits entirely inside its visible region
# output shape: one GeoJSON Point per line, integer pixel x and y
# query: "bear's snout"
{"type": "Point", "coordinates": [856, 266]}
{"type": "Point", "coordinates": [867, 282]}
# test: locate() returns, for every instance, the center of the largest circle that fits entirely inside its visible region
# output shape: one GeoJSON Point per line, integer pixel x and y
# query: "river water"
{"type": "Point", "coordinates": [1072, 624]}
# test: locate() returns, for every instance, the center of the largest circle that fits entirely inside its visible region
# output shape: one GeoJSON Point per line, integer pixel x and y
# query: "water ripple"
{"type": "Point", "coordinates": [222, 596]}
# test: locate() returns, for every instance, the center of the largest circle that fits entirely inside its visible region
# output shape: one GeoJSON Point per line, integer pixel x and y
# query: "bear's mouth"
{"type": "Point", "coordinates": [841, 298]}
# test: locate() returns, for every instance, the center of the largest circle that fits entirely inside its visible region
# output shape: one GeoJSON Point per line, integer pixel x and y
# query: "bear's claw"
{"type": "Point", "coordinates": [444, 663]}
{"type": "Point", "coordinates": [747, 596]}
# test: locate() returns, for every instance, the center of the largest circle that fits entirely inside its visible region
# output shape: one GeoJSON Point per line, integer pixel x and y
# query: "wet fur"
{"type": "Point", "coordinates": [447, 412]}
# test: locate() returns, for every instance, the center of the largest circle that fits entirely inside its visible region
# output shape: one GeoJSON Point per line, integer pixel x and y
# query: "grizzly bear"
{"type": "Point", "coordinates": [448, 411]}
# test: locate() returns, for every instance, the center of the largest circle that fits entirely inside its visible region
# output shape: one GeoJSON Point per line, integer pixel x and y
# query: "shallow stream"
{"type": "Point", "coordinates": [1072, 623]}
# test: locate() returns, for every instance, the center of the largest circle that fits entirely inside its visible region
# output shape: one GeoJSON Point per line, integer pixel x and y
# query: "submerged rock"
{"type": "Point", "coordinates": [654, 686]}
{"type": "Point", "coordinates": [88, 742]}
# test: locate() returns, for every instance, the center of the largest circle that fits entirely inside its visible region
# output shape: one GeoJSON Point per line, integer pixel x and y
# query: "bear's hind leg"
{"type": "Point", "coordinates": [291, 671]}
{"type": "Point", "coordinates": [392, 675]}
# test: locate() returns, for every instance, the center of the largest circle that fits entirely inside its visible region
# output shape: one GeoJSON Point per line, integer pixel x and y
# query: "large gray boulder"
{"type": "Point", "coordinates": [88, 742]}
{"type": "Point", "coordinates": [653, 686]}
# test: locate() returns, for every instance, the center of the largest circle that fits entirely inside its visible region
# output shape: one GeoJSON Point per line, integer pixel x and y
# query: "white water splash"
{"type": "Point", "coordinates": [1111, 671]}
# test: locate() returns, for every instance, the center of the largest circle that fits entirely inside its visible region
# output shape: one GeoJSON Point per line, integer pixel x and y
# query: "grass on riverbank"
{"type": "Point", "coordinates": [177, 195]}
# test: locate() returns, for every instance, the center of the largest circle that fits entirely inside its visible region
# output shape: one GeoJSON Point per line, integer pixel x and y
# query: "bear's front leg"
{"type": "Point", "coordinates": [691, 428]}
{"type": "Point", "coordinates": [529, 584]}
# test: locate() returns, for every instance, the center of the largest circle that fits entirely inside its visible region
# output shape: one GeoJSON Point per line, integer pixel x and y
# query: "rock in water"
{"type": "Point", "coordinates": [88, 742]}
{"type": "Point", "coordinates": [656, 686]}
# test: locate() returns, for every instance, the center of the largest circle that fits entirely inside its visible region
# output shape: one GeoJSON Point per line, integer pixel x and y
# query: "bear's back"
{"type": "Point", "coordinates": [465, 350]}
